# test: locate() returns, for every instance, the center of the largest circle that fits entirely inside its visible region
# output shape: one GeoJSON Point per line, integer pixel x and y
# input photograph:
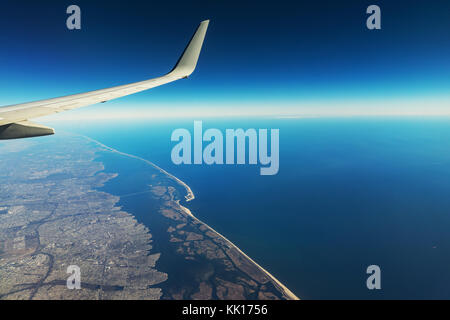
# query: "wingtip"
{"type": "Point", "coordinates": [187, 62]}
{"type": "Point", "coordinates": [204, 23]}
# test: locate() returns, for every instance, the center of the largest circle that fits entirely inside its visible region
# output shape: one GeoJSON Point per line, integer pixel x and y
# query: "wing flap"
{"type": "Point", "coordinates": [24, 129]}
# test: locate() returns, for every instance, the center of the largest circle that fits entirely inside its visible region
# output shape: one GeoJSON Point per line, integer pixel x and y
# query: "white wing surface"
{"type": "Point", "coordinates": [14, 122]}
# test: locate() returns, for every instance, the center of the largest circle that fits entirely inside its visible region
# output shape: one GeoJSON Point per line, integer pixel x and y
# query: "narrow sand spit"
{"type": "Point", "coordinates": [190, 196]}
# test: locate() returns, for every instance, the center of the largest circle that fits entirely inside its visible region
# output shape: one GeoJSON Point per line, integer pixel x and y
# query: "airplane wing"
{"type": "Point", "coordinates": [14, 122]}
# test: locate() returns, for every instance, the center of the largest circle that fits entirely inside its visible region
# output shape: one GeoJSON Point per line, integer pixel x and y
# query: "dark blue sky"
{"type": "Point", "coordinates": [255, 52]}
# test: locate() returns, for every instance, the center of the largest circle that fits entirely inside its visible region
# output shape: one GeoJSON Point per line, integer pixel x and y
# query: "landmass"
{"type": "Point", "coordinates": [54, 213]}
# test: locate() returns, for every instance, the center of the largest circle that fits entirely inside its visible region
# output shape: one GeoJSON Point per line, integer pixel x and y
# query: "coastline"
{"type": "Point", "coordinates": [189, 197]}
{"type": "Point", "coordinates": [282, 287]}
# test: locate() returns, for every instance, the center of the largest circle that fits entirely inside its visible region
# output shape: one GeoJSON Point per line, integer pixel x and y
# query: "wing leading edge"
{"type": "Point", "coordinates": [13, 118]}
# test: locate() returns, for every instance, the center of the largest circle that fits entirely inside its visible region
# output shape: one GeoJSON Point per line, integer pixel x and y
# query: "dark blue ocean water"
{"type": "Point", "coordinates": [350, 193]}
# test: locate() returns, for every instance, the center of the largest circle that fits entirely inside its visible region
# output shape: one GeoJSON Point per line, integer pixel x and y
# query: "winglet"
{"type": "Point", "coordinates": [188, 60]}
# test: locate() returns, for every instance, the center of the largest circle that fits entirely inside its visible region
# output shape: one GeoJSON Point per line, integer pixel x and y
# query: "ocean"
{"type": "Point", "coordinates": [350, 192]}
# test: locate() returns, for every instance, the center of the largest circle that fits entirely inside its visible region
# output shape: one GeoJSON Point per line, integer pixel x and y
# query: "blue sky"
{"type": "Point", "coordinates": [280, 58]}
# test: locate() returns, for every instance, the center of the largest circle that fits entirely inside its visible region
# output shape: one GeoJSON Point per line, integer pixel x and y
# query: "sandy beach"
{"type": "Point", "coordinates": [189, 197]}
